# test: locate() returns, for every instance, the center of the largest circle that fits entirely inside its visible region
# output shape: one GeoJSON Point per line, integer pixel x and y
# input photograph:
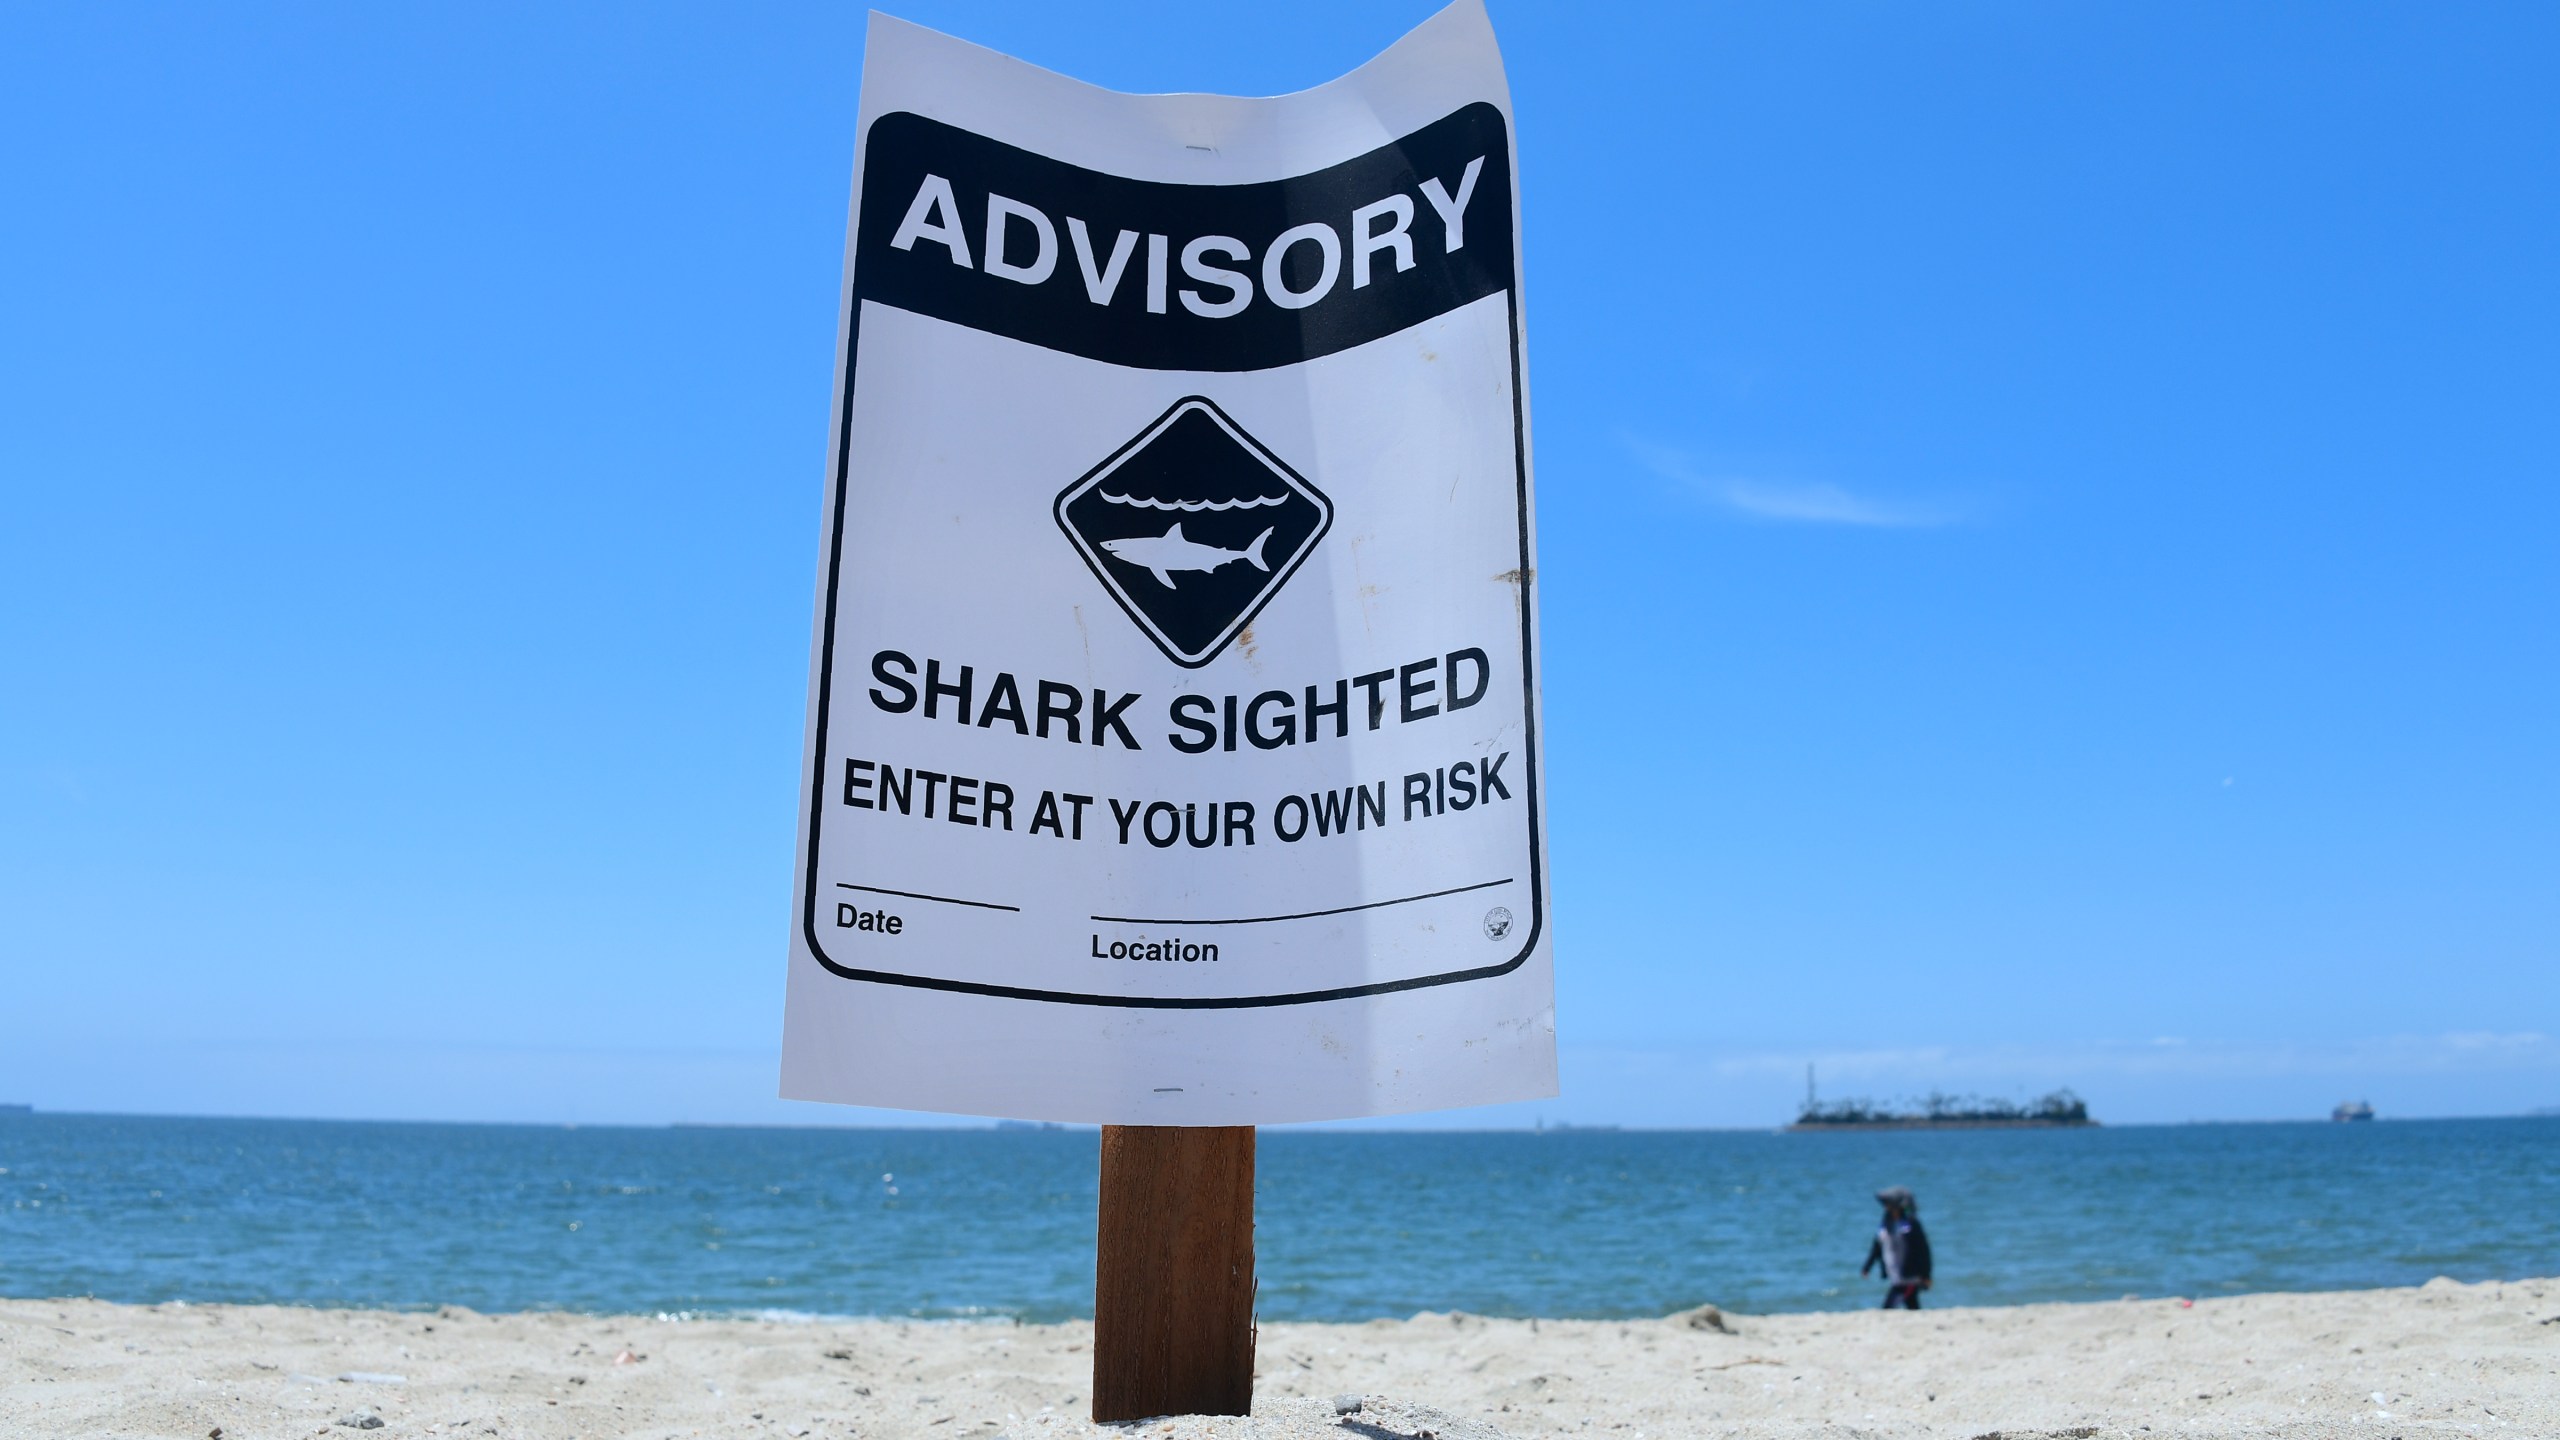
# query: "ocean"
{"type": "Point", "coordinates": [999, 1223]}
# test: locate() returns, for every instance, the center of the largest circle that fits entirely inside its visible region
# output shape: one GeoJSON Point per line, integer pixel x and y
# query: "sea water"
{"type": "Point", "coordinates": [1350, 1226]}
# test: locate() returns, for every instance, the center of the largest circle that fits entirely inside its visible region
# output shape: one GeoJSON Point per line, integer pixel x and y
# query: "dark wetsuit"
{"type": "Point", "coordinates": [1902, 1248]}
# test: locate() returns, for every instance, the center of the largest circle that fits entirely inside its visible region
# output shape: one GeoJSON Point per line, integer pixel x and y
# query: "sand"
{"type": "Point", "coordinates": [2438, 1360]}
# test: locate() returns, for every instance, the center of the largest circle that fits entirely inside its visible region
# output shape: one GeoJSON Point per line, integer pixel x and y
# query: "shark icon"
{"type": "Point", "coordinates": [1163, 554]}
{"type": "Point", "coordinates": [1219, 521]}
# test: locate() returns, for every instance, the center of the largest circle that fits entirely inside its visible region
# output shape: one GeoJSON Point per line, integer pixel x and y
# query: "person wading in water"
{"type": "Point", "coordinates": [1902, 1248]}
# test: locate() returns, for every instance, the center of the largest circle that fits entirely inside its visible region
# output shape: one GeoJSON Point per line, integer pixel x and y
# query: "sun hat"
{"type": "Point", "coordinates": [1897, 1195]}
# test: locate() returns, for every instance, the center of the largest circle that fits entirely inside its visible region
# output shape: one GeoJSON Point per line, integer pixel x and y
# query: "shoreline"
{"type": "Point", "coordinates": [789, 1316]}
{"type": "Point", "coordinates": [2443, 1358]}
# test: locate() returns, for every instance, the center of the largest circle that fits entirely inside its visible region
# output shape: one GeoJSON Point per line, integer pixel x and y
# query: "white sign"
{"type": "Point", "coordinates": [1172, 753]}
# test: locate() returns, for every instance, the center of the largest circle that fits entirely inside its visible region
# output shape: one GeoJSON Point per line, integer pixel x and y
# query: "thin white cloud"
{"type": "Point", "coordinates": [1821, 504]}
{"type": "Point", "coordinates": [2449, 1053]}
{"type": "Point", "coordinates": [1798, 502]}
{"type": "Point", "coordinates": [2127, 1080]}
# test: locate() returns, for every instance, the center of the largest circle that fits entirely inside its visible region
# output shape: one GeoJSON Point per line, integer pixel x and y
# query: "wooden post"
{"type": "Point", "coordinates": [1173, 1273]}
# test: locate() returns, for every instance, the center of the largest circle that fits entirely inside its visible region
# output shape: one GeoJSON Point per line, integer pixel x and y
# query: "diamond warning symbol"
{"type": "Point", "coordinates": [1193, 526]}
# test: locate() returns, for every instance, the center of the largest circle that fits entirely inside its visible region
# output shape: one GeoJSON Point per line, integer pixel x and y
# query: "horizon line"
{"type": "Point", "coordinates": [974, 1124]}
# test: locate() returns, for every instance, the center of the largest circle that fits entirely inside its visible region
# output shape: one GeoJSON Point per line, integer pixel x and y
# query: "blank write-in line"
{"type": "Point", "coordinates": [1304, 915]}
{"type": "Point", "coordinates": [936, 899]}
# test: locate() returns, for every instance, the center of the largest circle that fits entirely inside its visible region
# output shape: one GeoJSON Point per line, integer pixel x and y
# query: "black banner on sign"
{"type": "Point", "coordinates": [1184, 277]}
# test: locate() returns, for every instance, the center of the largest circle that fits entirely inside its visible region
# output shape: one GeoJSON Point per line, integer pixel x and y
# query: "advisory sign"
{"type": "Point", "coordinates": [1172, 751]}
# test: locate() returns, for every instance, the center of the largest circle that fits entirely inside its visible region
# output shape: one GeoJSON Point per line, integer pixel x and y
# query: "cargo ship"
{"type": "Point", "coordinates": [2061, 1110]}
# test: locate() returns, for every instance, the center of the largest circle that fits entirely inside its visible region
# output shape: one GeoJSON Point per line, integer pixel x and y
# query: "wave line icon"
{"type": "Point", "coordinates": [1193, 505]}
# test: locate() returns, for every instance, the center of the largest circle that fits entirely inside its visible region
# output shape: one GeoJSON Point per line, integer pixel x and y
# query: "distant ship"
{"type": "Point", "coordinates": [2352, 1110]}
{"type": "Point", "coordinates": [2060, 1110]}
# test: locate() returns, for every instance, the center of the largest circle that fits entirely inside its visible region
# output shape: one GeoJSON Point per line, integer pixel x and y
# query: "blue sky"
{"type": "Point", "coordinates": [2047, 513]}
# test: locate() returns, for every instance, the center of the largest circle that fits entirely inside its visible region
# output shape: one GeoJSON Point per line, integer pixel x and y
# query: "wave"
{"type": "Point", "coordinates": [926, 1314]}
{"type": "Point", "coordinates": [1189, 505]}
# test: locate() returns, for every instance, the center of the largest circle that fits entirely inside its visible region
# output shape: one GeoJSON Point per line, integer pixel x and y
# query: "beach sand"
{"type": "Point", "coordinates": [2437, 1360]}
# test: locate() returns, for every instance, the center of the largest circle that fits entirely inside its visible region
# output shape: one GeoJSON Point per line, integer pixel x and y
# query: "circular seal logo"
{"type": "Point", "coordinates": [1497, 923]}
